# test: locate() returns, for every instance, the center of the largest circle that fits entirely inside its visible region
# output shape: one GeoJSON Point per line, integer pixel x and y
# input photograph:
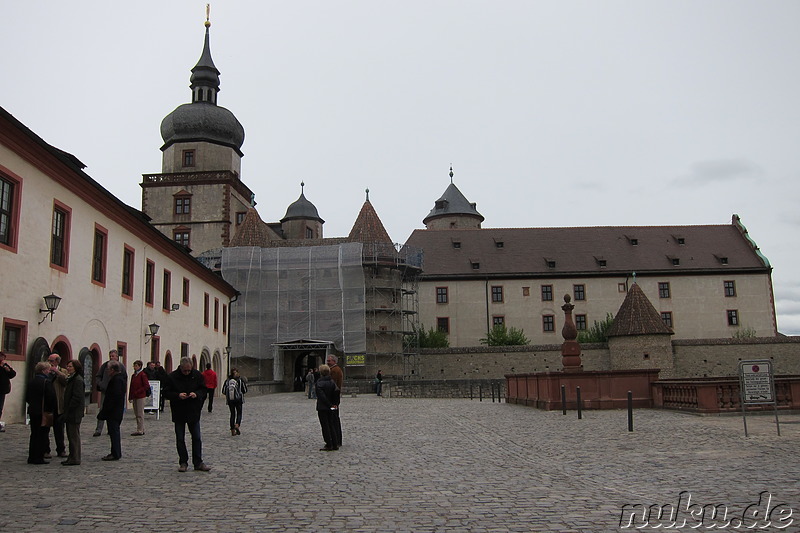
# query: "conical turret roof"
{"type": "Point", "coordinates": [368, 227]}
{"type": "Point", "coordinates": [253, 231]}
{"type": "Point", "coordinates": [637, 316]}
{"type": "Point", "coordinates": [452, 202]}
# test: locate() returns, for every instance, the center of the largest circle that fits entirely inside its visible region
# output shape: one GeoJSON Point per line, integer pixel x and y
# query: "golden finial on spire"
{"type": "Point", "coordinates": [208, 15]}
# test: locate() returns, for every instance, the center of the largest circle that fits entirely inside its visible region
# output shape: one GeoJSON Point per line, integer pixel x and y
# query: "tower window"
{"type": "Point", "coordinates": [188, 158]}
{"type": "Point", "coordinates": [183, 205]}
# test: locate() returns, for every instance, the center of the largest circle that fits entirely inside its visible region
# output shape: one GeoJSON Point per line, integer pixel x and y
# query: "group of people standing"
{"type": "Point", "coordinates": [56, 399]}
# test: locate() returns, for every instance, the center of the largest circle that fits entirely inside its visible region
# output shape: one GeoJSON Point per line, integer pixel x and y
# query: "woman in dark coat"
{"type": "Point", "coordinates": [113, 409]}
{"type": "Point", "coordinates": [327, 402]}
{"type": "Point", "coordinates": [73, 411]}
{"type": "Point", "coordinates": [41, 397]}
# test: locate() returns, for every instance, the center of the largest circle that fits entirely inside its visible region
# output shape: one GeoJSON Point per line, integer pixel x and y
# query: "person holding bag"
{"type": "Point", "coordinates": [41, 398]}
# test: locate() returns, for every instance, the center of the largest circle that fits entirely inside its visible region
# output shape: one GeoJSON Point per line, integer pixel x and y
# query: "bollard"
{"type": "Point", "coordinates": [564, 400]}
{"type": "Point", "coordinates": [630, 411]}
{"type": "Point", "coordinates": [480, 392]}
{"type": "Point", "coordinates": [580, 413]}
{"type": "Point", "coordinates": [471, 396]}
{"type": "Point", "coordinates": [491, 386]}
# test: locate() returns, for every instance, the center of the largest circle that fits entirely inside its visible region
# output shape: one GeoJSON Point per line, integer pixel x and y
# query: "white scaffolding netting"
{"type": "Point", "coordinates": [293, 293]}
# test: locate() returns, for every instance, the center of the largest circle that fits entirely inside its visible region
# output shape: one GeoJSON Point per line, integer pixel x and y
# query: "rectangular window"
{"type": "Point", "coordinates": [205, 309]}
{"type": "Point", "coordinates": [155, 348]}
{"type": "Point", "coordinates": [127, 271]}
{"type": "Point", "coordinates": [240, 217]}
{"type": "Point", "coordinates": [59, 237]}
{"type": "Point", "coordinates": [579, 291]}
{"type": "Point", "coordinates": [99, 255]}
{"type": "Point", "coordinates": [181, 237]}
{"type": "Point", "coordinates": [580, 322]}
{"type": "Point", "coordinates": [216, 314]}
{"type": "Point", "coordinates": [547, 293]}
{"type": "Point", "coordinates": [621, 287]}
{"type": "Point", "coordinates": [733, 317]}
{"type": "Point", "coordinates": [498, 320]}
{"type": "Point", "coordinates": [309, 233]}
{"type": "Point", "coordinates": [441, 295]}
{"type": "Point", "coordinates": [184, 349]}
{"type": "Point", "coordinates": [183, 205]}
{"type": "Point", "coordinates": [548, 323]}
{"type": "Point", "coordinates": [166, 289]}
{"type": "Point", "coordinates": [185, 298]}
{"type": "Point", "coordinates": [9, 212]}
{"type": "Point", "coordinates": [149, 282]}
{"type": "Point", "coordinates": [666, 316]}
{"type": "Point", "coordinates": [443, 324]}
{"type": "Point", "coordinates": [14, 338]}
{"type": "Point", "coordinates": [730, 288]}
{"type": "Point", "coordinates": [224, 318]}
{"type": "Point", "coordinates": [188, 158]}
{"type": "Point", "coordinates": [476, 265]}
{"type": "Point", "coordinates": [663, 289]}
{"type": "Point", "coordinates": [497, 294]}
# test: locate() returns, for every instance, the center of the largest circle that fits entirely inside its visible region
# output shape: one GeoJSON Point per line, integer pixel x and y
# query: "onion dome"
{"type": "Point", "coordinates": [302, 208]}
{"type": "Point", "coordinates": [203, 119]}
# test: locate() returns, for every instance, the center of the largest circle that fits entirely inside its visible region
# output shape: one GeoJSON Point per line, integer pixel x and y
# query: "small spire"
{"type": "Point", "coordinates": [634, 277]}
{"type": "Point", "coordinates": [367, 191]}
{"type": "Point", "coordinates": [451, 174]}
{"type": "Point", "coordinates": [208, 15]}
{"type": "Point", "coordinates": [302, 186]}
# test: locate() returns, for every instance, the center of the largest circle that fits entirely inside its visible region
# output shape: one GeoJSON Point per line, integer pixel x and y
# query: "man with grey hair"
{"type": "Point", "coordinates": [102, 383]}
{"type": "Point", "coordinates": [186, 391]}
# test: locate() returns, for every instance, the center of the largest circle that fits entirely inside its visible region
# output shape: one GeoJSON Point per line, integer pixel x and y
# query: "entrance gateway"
{"type": "Point", "coordinates": [293, 359]}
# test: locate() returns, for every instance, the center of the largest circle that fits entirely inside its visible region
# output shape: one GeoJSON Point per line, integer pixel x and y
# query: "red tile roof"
{"type": "Point", "coordinates": [637, 316]}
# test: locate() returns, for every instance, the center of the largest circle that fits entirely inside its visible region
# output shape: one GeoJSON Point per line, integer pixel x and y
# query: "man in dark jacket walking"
{"type": "Point", "coordinates": [186, 392]}
{"type": "Point", "coordinates": [114, 408]}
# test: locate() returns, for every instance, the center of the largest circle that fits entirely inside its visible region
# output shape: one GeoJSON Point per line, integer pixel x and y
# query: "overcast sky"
{"type": "Point", "coordinates": [556, 113]}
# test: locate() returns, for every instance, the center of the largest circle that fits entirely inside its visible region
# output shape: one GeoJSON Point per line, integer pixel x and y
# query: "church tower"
{"type": "Point", "coordinates": [198, 198]}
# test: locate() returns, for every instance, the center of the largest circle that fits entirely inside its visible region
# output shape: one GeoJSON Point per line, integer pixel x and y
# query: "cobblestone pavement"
{"type": "Point", "coordinates": [414, 465]}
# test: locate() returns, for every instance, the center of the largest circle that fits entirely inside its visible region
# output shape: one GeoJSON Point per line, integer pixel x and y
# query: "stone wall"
{"type": "Point", "coordinates": [703, 358]}
{"type": "Point", "coordinates": [494, 362]}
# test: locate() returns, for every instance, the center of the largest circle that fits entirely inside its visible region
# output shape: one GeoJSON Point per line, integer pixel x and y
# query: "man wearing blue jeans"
{"type": "Point", "coordinates": [186, 392]}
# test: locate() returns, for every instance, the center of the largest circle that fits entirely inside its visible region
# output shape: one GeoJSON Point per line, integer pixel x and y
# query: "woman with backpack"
{"type": "Point", "coordinates": [234, 389]}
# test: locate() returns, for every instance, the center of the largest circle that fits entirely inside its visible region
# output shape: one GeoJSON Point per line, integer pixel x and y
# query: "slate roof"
{"type": "Point", "coordinates": [368, 227]}
{"type": "Point", "coordinates": [302, 209]}
{"type": "Point", "coordinates": [586, 251]}
{"type": "Point", "coordinates": [637, 316]}
{"type": "Point", "coordinates": [452, 202]}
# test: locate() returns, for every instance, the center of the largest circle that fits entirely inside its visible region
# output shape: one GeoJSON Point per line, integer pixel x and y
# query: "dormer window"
{"type": "Point", "coordinates": [601, 263]}
{"type": "Point", "coordinates": [475, 265]}
{"type": "Point", "coordinates": [441, 204]}
{"type": "Point", "coordinates": [634, 242]}
{"type": "Point", "coordinates": [498, 244]}
{"type": "Point", "coordinates": [551, 263]}
{"type": "Point", "coordinates": [456, 244]}
{"type": "Point", "coordinates": [681, 241]}
{"type": "Point", "coordinates": [723, 260]}
{"type": "Point", "coordinates": [676, 261]}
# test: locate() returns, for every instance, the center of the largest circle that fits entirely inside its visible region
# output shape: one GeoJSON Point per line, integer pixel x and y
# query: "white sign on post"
{"type": "Point", "coordinates": [756, 379]}
{"type": "Point", "coordinates": [757, 386]}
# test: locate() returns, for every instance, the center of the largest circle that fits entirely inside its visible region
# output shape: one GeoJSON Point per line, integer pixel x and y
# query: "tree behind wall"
{"type": "Point", "coordinates": [500, 336]}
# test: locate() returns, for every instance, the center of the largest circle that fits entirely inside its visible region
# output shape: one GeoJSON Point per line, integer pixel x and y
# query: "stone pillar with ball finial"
{"type": "Point", "coordinates": [570, 349]}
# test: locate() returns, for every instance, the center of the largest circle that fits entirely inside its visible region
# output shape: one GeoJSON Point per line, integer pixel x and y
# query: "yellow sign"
{"type": "Point", "coordinates": [355, 360]}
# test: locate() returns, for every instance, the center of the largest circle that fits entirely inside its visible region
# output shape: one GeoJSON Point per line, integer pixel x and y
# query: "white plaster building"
{"type": "Point", "coordinates": [62, 233]}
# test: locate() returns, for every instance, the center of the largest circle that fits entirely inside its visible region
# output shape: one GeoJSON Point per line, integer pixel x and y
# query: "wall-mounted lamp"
{"type": "Point", "coordinates": [51, 303]}
{"type": "Point", "coordinates": [227, 350]}
{"type": "Point", "coordinates": [153, 330]}
{"type": "Point", "coordinates": [175, 307]}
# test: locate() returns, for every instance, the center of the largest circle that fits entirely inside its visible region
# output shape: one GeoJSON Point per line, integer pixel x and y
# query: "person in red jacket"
{"type": "Point", "coordinates": [140, 387]}
{"type": "Point", "coordinates": [211, 384]}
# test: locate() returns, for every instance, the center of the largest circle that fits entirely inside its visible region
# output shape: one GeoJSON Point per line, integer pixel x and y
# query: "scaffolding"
{"type": "Point", "coordinates": [359, 298]}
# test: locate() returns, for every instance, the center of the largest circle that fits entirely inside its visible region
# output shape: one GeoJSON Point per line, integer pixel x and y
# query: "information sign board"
{"type": "Point", "coordinates": [757, 382]}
